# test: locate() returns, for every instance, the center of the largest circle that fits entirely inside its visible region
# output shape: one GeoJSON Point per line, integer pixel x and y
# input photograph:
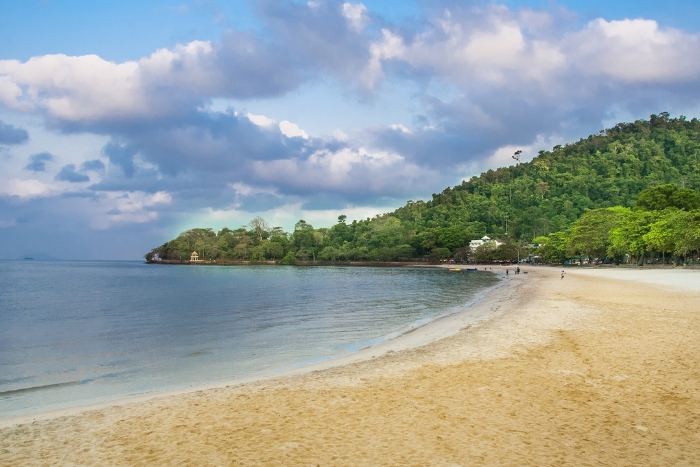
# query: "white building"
{"type": "Point", "coordinates": [474, 244]}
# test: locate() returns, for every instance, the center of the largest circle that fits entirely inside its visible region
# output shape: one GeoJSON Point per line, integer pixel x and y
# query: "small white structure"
{"type": "Point", "coordinates": [194, 256]}
{"type": "Point", "coordinates": [474, 244]}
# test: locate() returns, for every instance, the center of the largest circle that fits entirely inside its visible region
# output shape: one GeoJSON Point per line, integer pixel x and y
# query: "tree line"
{"type": "Point", "coordinates": [549, 201]}
{"type": "Point", "coordinates": [664, 225]}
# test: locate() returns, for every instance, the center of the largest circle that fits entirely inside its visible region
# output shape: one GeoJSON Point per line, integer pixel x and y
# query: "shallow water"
{"type": "Point", "coordinates": [75, 333]}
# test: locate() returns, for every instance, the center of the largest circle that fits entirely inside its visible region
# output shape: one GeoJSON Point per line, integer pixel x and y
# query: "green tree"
{"type": "Point", "coordinates": [552, 248]}
{"type": "Point", "coordinates": [452, 237]}
{"type": "Point", "coordinates": [689, 240]}
{"type": "Point", "coordinates": [303, 235]}
{"type": "Point", "coordinates": [507, 251]}
{"type": "Point", "coordinates": [438, 254]}
{"type": "Point", "coordinates": [273, 250]}
{"type": "Point", "coordinates": [662, 197]}
{"type": "Point", "coordinates": [289, 259]}
{"type": "Point", "coordinates": [329, 253]}
{"type": "Point", "coordinates": [257, 254]}
{"type": "Point", "coordinates": [666, 232]}
{"type": "Point", "coordinates": [241, 250]}
{"type": "Point", "coordinates": [590, 235]}
{"type": "Point", "coordinates": [484, 252]}
{"type": "Point", "coordinates": [628, 237]}
{"type": "Point", "coordinates": [404, 252]}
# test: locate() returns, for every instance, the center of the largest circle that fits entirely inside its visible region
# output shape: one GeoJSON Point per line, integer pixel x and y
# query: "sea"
{"type": "Point", "coordinates": [74, 333]}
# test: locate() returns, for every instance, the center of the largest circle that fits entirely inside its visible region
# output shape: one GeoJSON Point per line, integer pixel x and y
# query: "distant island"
{"type": "Point", "coordinates": [38, 257]}
{"type": "Point", "coordinates": [625, 194]}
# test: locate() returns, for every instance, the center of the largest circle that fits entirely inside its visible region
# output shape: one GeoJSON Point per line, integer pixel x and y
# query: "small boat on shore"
{"type": "Point", "coordinates": [454, 269]}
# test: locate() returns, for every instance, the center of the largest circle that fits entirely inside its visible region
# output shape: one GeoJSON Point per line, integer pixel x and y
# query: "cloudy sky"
{"type": "Point", "coordinates": [125, 122]}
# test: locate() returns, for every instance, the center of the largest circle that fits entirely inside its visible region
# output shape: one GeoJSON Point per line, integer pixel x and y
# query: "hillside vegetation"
{"type": "Point", "coordinates": [565, 200]}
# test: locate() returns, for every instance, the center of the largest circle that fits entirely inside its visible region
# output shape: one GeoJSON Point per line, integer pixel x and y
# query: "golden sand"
{"type": "Point", "coordinates": [580, 371]}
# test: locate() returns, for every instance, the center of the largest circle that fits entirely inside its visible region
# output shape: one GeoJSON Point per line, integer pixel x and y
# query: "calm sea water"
{"type": "Point", "coordinates": [75, 333]}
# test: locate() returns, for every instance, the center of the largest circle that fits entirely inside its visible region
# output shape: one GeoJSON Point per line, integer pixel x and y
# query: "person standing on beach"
{"type": "Point", "coordinates": [507, 272]}
{"type": "Point", "coordinates": [563, 274]}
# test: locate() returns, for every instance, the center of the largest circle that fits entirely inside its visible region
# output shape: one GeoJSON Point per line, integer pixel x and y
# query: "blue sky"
{"type": "Point", "coordinates": [123, 123]}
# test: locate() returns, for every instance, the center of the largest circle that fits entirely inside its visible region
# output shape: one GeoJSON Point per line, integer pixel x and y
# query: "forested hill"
{"type": "Point", "coordinates": [546, 195]}
{"type": "Point", "coordinates": [514, 204]}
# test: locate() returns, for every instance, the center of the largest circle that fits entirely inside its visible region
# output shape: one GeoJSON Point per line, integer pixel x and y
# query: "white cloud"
{"type": "Point", "coordinates": [291, 130]}
{"type": "Point", "coordinates": [261, 120]}
{"type": "Point", "coordinates": [24, 188]}
{"type": "Point", "coordinates": [400, 127]}
{"type": "Point", "coordinates": [347, 170]}
{"type": "Point", "coordinates": [134, 207]}
{"type": "Point", "coordinates": [244, 190]}
{"type": "Point", "coordinates": [10, 94]}
{"type": "Point", "coordinates": [90, 89]}
{"type": "Point", "coordinates": [499, 48]}
{"type": "Point", "coordinates": [342, 161]}
{"type": "Point", "coordinates": [490, 50]}
{"type": "Point", "coordinates": [340, 135]}
{"type": "Point", "coordinates": [77, 88]}
{"type": "Point", "coordinates": [356, 14]}
{"type": "Point", "coordinates": [635, 51]}
{"type": "Point", "coordinates": [159, 197]}
{"type": "Point", "coordinates": [390, 47]}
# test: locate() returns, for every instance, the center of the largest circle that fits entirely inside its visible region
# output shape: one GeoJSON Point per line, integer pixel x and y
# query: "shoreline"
{"type": "Point", "coordinates": [375, 264]}
{"type": "Point", "coordinates": [591, 369]}
{"type": "Point", "coordinates": [437, 328]}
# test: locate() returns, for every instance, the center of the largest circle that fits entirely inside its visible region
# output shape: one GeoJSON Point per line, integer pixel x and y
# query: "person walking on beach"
{"type": "Point", "coordinates": [506, 272]}
{"type": "Point", "coordinates": [563, 274]}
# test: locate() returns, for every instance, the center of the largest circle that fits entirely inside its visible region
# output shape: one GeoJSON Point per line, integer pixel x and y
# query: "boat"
{"type": "Point", "coordinates": [454, 269]}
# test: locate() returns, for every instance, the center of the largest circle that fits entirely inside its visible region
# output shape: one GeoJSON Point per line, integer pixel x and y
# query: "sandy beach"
{"type": "Point", "coordinates": [600, 368]}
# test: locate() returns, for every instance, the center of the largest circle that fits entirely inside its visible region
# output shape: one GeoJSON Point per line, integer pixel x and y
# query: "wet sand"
{"type": "Point", "coordinates": [596, 369]}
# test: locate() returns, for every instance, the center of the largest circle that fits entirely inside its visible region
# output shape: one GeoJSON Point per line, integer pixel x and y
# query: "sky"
{"type": "Point", "coordinates": [124, 123]}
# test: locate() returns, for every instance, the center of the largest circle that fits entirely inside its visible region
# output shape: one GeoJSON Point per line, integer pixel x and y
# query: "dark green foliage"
{"type": "Point", "coordinates": [667, 196]}
{"type": "Point", "coordinates": [290, 259]}
{"type": "Point", "coordinates": [544, 199]}
{"type": "Point", "coordinates": [440, 253]}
